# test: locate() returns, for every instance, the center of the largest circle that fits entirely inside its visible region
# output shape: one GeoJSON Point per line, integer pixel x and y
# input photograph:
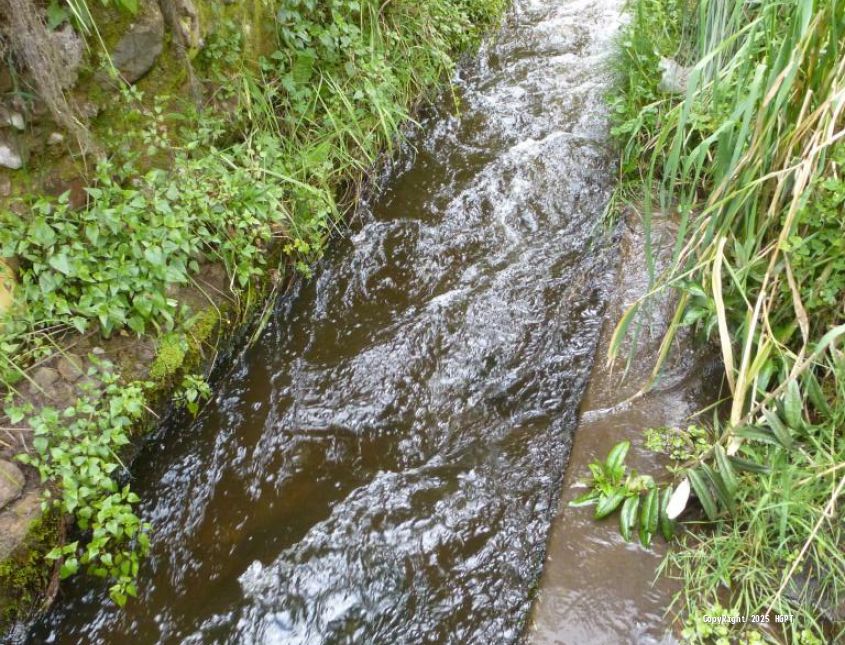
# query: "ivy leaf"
{"type": "Point", "coordinates": [61, 263]}
{"type": "Point", "coordinates": [41, 233]}
{"type": "Point", "coordinates": [68, 568]}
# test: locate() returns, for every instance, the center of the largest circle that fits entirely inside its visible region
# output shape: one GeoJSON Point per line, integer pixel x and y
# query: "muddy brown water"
{"type": "Point", "coordinates": [595, 587]}
{"type": "Point", "coordinates": [384, 464]}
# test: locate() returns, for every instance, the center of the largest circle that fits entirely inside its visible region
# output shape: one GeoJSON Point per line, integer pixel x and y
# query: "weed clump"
{"type": "Point", "coordinates": [748, 157]}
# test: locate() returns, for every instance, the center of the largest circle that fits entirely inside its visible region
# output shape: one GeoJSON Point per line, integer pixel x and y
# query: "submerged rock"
{"type": "Point", "coordinates": [189, 23]}
{"type": "Point", "coordinates": [70, 367]}
{"type": "Point", "coordinates": [10, 118]}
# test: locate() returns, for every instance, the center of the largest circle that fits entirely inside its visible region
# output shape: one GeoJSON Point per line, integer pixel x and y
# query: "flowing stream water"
{"type": "Point", "coordinates": [382, 466]}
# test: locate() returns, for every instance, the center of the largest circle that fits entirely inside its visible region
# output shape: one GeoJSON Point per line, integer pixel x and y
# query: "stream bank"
{"type": "Point", "coordinates": [596, 587]}
{"type": "Point", "coordinates": [383, 464]}
{"type": "Point", "coordinates": [201, 192]}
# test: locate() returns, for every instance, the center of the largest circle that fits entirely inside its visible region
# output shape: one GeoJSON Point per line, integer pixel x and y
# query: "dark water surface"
{"type": "Point", "coordinates": [383, 464]}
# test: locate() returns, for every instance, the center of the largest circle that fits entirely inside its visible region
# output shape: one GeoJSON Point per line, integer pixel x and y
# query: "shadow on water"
{"type": "Point", "coordinates": [384, 463]}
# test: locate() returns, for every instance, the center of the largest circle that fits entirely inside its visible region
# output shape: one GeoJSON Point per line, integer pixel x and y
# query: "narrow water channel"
{"type": "Point", "coordinates": [383, 464]}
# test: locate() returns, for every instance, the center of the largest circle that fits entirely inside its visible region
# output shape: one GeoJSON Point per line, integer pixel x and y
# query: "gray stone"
{"type": "Point", "coordinates": [44, 377]}
{"type": "Point", "coordinates": [89, 110]}
{"type": "Point", "coordinates": [11, 118]}
{"type": "Point", "coordinates": [11, 483]}
{"type": "Point", "coordinates": [139, 48]}
{"type": "Point", "coordinates": [55, 138]}
{"type": "Point", "coordinates": [10, 156]}
{"type": "Point", "coordinates": [70, 49]}
{"type": "Point", "coordinates": [70, 367]}
{"type": "Point", "coordinates": [674, 77]}
{"type": "Point", "coordinates": [188, 23]}
{"type": "Point", "coordinates": [16, 520]}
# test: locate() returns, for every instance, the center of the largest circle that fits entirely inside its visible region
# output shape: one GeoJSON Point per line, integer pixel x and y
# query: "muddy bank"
{"type": "Point", "coordinates": [27, 580]}
{"type": "Point", "coordinates": [595, 587]}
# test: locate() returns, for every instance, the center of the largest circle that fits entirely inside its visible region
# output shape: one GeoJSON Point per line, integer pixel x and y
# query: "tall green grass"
{"type": "Point", "coordinates": [749, 161]}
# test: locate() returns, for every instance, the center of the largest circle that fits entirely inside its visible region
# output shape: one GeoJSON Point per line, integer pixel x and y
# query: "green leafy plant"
{"type": "Point", "coordinates": [643, 503]}
{"type": "Point", "coordinates": [76, 450]}
{"type": "Point", "coordinates": [193, 390]}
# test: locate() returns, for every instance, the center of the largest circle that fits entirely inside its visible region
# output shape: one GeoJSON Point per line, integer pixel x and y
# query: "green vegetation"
{"type": "Point", "coordinates": [23, 576]}
{"type": "Point", "coordinates": [747, 156]}
{"type": "Point", "coordinates": [193, 390]}
{"type": "Point", "coordinates": [170, 355]}
{"type": "Point", "coordinates": [640, 499]}
{"type": "Point", "coordinates": [77, 450]}
{"type": "Point", "coordinates": [257, 182]}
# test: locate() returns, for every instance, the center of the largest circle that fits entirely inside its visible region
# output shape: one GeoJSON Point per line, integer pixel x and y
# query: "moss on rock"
{"type": "Point", "coordinates": [170, 356]}
{"type": "Point", "coordinates": [25, 575]}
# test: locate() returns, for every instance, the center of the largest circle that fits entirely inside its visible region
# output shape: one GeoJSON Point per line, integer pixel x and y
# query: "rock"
{"type": "Point", "coordinates": [75, 187]}
{"type": "Point", "coordinates": [674, 77]}
{"type": "Point", "coordinates": [11, 118]}
{"type": "Point", "coordinates": [10, 156]}
{"type": "Point", "coordinates": [44, 377]}
{"type": "Point", "coordinates": [98, 351]}
{"type": "Point", "coordinates": [136, 52]}
{"type": "Point", "coordinates": [6, 82]}
{"type": "Point", "coordinates": [61, 394]}
{"type": "Point", "coordinates": [70, 367]}
{"type": "Point", "coordinates": [189, 23]}
{"type": "Point", "coordinates": [70, 49]}
{"type": "Point", "coordinates": [16, 520]}
{"type": "Point", "coordinates": [55, 138]}
{"type": "Point", "coordinates": [89, 110]}
{"type": "Point", "coordinates": [11, 483]}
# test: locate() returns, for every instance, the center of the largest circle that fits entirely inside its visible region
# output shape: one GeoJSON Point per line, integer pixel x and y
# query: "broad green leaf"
{"type": "Point", "coordinates": [608, 503]}
{"type": "Point", "coordinates": [815, 394]}
{"type": "Point", "coordinates": [793, 405]}
{"type": "Point", "coordinates": [749, 466]}
{"type": "Point", "coordinates": [780, 431]}
{"type": "Point", "coordinates": [703, 493]}
{"type": "Point", "coordinates": [757, 434]}
{"type": "Point", "coordinates": [667, 526]}
{"type": "Point", "coordinates": [60, 263]}
{"type": "Point", "coordinates": [726, 470]}
{"type": "Point", "coordinates": [587, 499]}
{"type": "Point", "coordinates": [719, 486]}
{"type": "Point", "coordinates": [628, 516]}
{"type": "Point", "coordinates": [615, 460]}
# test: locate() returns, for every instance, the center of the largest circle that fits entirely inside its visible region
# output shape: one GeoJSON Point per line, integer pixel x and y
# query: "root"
{"type": "Point", "coordinates": [25, 34]}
